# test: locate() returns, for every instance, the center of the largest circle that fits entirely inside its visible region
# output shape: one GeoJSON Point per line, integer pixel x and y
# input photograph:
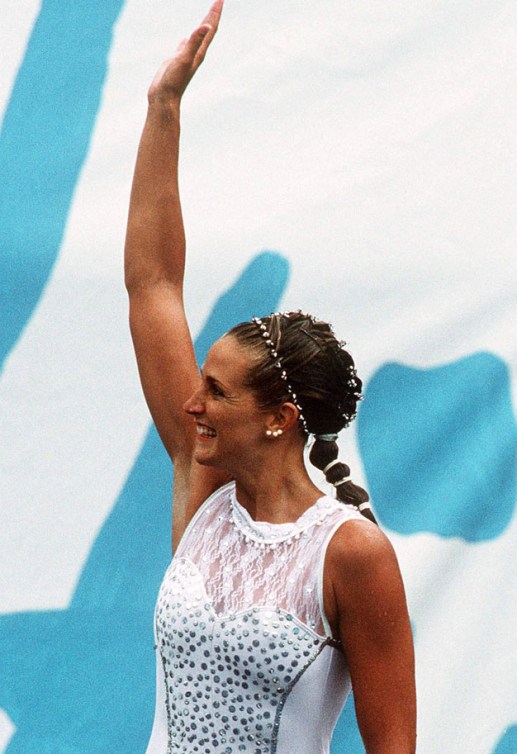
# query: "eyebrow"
{"type": "Point", "coordinates": [213, 380]}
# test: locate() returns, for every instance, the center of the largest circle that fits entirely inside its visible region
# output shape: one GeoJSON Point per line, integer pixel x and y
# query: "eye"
{"type": "Point", "coordinates": [215, 390]}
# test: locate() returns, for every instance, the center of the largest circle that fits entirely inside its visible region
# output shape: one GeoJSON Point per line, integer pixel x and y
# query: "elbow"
{"type": "Point", "coordinates": [139, 284]}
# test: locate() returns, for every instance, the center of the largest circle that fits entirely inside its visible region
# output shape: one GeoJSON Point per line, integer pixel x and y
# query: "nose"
{"type": "Point", "coordinates": [195, 404]}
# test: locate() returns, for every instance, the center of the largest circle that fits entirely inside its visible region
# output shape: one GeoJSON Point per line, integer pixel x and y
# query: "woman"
{"type": "Point", "coordinates": [279, 599]}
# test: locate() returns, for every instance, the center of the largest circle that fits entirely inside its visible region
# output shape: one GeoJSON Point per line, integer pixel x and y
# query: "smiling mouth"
{"type": "Point", "coordinates": [205, 432]}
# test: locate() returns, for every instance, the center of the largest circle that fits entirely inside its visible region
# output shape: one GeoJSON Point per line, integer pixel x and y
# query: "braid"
{"type": "Point", "coordinates": [324, 455]}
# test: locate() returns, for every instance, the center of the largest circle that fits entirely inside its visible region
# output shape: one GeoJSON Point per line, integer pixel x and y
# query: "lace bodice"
{"type": "Point", "coordinates": [261, 564]}
{"type": "Point", "coordinates": [244, 650]}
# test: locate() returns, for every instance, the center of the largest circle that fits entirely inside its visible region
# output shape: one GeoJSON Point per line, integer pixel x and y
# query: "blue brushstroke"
{"type": "Point", "coordinates": [347, 739]}
{"type": "Point", "coordinates": [439, 448]}
{"type": "Point", "coordinates": [508, 743]}
{"type": "Point", "coordinates": [44, 140]}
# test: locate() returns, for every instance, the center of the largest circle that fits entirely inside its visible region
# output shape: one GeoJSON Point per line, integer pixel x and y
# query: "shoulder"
{"type": "Point", "coordinates": [358, 543]}
{"type": "Point", "coordinates": [361, 561]}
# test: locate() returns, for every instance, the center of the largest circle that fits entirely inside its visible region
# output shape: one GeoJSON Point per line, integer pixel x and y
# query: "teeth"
{"type": "Point", "coordinates": [205, 432]}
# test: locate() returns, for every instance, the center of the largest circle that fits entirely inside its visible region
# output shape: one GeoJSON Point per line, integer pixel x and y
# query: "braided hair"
{"type": "Point", "coordinates": [298, 358]}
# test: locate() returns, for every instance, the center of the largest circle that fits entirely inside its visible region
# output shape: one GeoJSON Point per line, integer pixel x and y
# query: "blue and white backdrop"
{"type": "Point", "coordinates": [353, 159]}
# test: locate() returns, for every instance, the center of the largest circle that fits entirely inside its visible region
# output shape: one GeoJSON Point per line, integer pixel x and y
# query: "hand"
{"type": "Point", "coordinates": [175, 74]}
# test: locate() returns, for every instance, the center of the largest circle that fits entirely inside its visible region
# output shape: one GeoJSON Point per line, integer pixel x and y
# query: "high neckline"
{"type": "Point", "coordinates": [265, 532]}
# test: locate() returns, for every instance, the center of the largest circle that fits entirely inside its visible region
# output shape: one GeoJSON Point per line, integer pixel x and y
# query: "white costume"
{"type": "Point", "coordinates": [245, 658]}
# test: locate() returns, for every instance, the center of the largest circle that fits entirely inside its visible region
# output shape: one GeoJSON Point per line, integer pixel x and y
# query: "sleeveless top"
{"type": "Point", "coordinates": [246, 663]}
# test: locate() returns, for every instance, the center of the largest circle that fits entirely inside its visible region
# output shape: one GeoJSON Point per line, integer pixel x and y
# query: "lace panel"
{"type": "Point", "coordinates": [245, 564]}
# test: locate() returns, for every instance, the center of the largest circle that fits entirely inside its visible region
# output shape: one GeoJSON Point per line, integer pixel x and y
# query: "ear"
{"type": "Point", "coordinates": [286, 416]}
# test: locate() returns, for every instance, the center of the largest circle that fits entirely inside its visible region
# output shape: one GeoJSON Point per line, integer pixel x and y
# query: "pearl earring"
{"type": "Point", "coordinates": [274, 433]}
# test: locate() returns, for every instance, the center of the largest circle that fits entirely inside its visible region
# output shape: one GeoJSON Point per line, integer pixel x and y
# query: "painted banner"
{"type": "Point", "coordinates": [354, 160]}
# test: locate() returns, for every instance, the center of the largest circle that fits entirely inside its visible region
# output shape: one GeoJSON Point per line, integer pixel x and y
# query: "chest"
{"type": "Point", "coordinates": [226, 672]}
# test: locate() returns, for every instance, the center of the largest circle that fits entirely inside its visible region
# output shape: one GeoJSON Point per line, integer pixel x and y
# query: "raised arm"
{"type": "Point", "coordinates": [154, 270]}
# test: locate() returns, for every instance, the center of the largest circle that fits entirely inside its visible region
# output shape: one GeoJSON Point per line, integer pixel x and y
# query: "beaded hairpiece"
{"type": "Point", "coordinates": [278, 363]}
{"type": "Point", "coordinates": [331, 350]}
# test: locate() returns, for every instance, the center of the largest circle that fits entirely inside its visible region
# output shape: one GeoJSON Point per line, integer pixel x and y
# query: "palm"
{"type": "Point", "coordinates": [174, 75]}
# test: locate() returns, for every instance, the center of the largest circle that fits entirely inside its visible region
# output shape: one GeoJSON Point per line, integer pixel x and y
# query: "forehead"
{"type": "Point", "coordinates": [227, 360]}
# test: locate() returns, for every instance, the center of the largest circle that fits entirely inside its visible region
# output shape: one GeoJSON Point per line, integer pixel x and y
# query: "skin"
{"type": "Point", "coordinates": [214, 430]}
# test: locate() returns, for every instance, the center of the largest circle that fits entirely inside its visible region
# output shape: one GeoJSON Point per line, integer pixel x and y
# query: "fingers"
{"type": "Point", "coordinates": [211, 20]}
{"type": "Point", "coordinates": [176, 73]}
{"type": "Point", "coordinates": [195, 47]}
{"type": "Point", "coordinates": [213, 16]}
{"type": "Point", "coordinates": [197, 44]}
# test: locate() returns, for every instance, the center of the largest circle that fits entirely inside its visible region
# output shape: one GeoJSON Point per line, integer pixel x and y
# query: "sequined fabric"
{"type": "Point", "coordinates": [238, 624]}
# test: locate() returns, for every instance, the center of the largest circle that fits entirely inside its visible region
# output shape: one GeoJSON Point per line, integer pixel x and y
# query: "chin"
{"type": "Point", "coordinates": [204, 462]}
{"type": "Point", "coordinates": [204, 458]}
{"type": "Point", "coordinates": [212, 461]}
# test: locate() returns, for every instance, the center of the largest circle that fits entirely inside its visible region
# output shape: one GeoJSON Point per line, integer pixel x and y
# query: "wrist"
{"type": "Point", "coordinates": [165, 109]}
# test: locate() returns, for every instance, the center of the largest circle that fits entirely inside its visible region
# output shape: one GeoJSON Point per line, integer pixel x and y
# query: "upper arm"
{"type": "Point", "coordinates": [375, 631]}
{"type": "Point", "coordinates": [166, 362]}
{"type": "Point", "coordinates": [169, 375]}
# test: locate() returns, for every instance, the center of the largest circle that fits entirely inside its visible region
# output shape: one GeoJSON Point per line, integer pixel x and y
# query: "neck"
{"type": "Point", "coordinates": [279, 490]}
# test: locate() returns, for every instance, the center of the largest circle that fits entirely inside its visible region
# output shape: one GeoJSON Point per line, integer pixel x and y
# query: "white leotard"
{"type": "Point", "coordinates": [246, 663]}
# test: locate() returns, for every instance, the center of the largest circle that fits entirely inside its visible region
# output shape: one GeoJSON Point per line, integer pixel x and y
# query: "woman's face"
{"type": "Point", "coordinates": [229, 422]}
